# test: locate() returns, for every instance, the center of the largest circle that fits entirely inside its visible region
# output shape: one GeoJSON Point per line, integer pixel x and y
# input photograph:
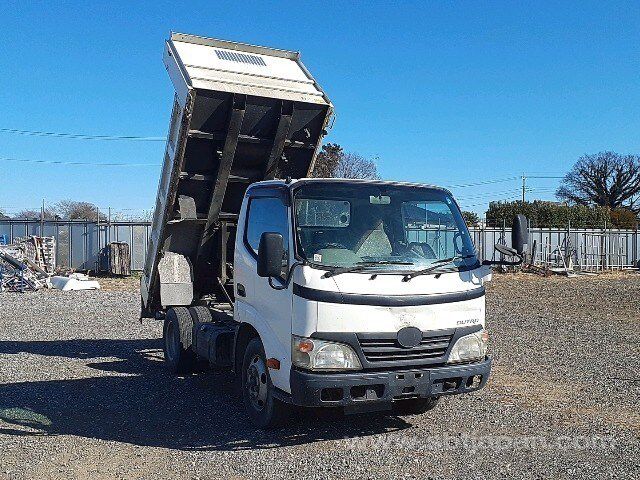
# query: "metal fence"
{"type": "Point", "coordinates": [79, 242]}
{"type": "Point", "coordinates": [607, 248]}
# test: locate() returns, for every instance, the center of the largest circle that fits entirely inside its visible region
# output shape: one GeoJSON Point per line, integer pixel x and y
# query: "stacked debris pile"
{"type": "Point", "coordinates": [40, 250]}
{"type": "Point", "coordinates": [27, 264]}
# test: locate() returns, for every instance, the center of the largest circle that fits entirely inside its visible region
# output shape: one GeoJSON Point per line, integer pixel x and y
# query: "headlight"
{"type": "Point", "coordinates": [314, 354]}
{"type": "Point", "coordinates": [470, 347]}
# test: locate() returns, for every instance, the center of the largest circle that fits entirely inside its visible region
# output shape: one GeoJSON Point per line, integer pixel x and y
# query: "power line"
{"type": "Point", "coordinates": [484, 182]}
{"type": "Point", "coordinates": [489, 201]}
{"type": "Point", "coordinates": [488, 194]}
{"type": "Point", "coordinates": [500, 180]}
{"type": "Point", "coordinates": [542, 176]}
{"type": "Point", "coordinates": [525, 177]}
{"type": "Point", "coordinates": [81, 136]}
{"type": "Point", "coordinates": [96, 164]}
{"type": "Point", "coordinates": [535, 189]}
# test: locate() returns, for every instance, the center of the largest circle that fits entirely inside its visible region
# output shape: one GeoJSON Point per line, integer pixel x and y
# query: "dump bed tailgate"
{"type": "Point", "coordinates": [251, 70]}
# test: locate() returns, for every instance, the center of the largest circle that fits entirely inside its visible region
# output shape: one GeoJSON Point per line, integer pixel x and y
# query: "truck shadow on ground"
{"type": "Point", "coordinates": [134, 399]}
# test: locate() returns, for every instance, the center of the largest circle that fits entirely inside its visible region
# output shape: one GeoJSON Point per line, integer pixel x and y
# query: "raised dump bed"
{"type": "Point", "coordinates": [241, 114]}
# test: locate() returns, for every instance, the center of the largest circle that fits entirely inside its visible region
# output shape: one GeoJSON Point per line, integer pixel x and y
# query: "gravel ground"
{"type": "Point", "coordinates": [83, 394]}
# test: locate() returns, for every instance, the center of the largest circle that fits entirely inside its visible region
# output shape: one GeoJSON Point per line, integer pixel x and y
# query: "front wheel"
{"type": "Point", "coordinates": [264, 410]}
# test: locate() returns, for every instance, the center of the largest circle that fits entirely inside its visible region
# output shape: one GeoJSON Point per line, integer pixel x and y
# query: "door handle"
{"type": "Point", "coordinates": [241, 291]}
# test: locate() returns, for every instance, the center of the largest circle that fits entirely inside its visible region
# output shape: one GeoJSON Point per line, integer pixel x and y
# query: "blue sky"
{"type": "Point", "coordinates": [441, 92]}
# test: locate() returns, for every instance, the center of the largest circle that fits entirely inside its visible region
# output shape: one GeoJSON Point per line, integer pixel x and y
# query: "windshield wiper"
{"type": "Point", "coordinates": [437, 264]}
{"type": "Point", "coordinates": [361, 266]}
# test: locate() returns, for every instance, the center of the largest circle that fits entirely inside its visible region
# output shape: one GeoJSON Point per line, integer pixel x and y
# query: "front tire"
{"type": "Point", "coordinates": [177, 358]}
{"type": "Point", "coordinates": [264, 410]}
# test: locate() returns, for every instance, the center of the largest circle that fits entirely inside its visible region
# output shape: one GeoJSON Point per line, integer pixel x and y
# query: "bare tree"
{"type": "Point", "coordinates": [3, 215]}
{"type": "Point", "coordinates": [135, 216]}
{"type": "Point", "coordinates": [327, 161]}
{"type": "Point", "coordinates": [606, 179]}
{"type": "Point", "coordinates": [72, 210]}
{"type": "Point", "coordinates": [146, 215]}
{"type": "Point", "coordinates": [334, 162]}
{"type": "Point", "coordinates": [33, 214]}
{"type": "Point", "coordinates": [353, 165]}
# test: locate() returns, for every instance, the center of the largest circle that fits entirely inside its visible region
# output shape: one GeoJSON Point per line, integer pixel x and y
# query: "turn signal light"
{"type": "Point", "coordinates": [273, 363]}
{"type": "Point", "coordinates": [305, 346]}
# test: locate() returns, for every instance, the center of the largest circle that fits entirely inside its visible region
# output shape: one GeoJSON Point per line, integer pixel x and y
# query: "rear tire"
{"type": "Point", "coordinates": [415, 406]}
{"type": "Point", "coordinates": [199, 314]}
{"type": "Point", "coordinates": [177, 358]}
{"type": "Point", "coordinates": [264, 410]}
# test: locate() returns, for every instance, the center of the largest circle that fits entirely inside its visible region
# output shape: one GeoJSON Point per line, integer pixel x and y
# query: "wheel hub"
{"type": "Point", "coordinates": [257, 382]}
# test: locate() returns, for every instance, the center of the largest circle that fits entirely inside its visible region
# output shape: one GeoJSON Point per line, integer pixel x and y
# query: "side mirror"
{"type": "Point", "coordinates": [519, 242]}
{"type": "Point", "coordinates": [520, 234]}
{"type": "Point", "coordinates": [270, 253]}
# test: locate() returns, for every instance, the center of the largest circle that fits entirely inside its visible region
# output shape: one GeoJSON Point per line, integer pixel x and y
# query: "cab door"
{"type": "Point", "coordinates": [269, 309]}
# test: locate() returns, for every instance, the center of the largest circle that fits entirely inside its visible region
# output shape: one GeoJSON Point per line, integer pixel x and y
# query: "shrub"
{"type": "Point", "coordinates": [558, 215]}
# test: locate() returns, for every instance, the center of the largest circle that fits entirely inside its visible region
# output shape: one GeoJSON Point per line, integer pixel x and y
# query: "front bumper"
{"type": "Point", "coordinates": [380, 389]}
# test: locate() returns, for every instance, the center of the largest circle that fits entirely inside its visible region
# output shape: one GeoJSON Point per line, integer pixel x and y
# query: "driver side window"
{"type": "Point", "coordinates": [268, 214]}
{"type": "Point", "coordinates": [430, 229]}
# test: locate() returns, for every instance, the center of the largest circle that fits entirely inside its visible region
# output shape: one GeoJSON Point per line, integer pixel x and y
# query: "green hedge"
{"type": "Point", "coordinates": [550, 214]}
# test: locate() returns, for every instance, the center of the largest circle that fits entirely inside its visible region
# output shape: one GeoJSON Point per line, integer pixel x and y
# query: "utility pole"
{"type": "Point", "coordinates": [109, 227]}
{"type": "Point", "coordinates": [42, 219]}
{"type": "Point", "coordinates": [97, 264]}
{"type": "Point", "coordinates": [524, 186]}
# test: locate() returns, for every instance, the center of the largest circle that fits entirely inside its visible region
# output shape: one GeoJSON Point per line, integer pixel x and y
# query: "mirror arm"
{"type": "Point", "coordinates": [276, 287]}
{"type": "Point", "coordinates": [287, 281]}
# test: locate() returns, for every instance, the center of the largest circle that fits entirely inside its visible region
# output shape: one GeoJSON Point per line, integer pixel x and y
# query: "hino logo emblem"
{"type": "Point", "coordinates": [409, 337]}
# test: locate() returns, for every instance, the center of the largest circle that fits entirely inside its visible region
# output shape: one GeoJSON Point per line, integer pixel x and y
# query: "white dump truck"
{"type": "Point", "coordinates": [366, 295]}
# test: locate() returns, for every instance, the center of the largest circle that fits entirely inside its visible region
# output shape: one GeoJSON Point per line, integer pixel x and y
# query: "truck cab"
{"type": "Point", "coordinates": [363, 294]}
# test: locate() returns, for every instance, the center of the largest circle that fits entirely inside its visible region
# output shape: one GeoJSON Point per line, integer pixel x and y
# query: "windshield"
{"type": "Point", "coordinates": [388, 227]}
